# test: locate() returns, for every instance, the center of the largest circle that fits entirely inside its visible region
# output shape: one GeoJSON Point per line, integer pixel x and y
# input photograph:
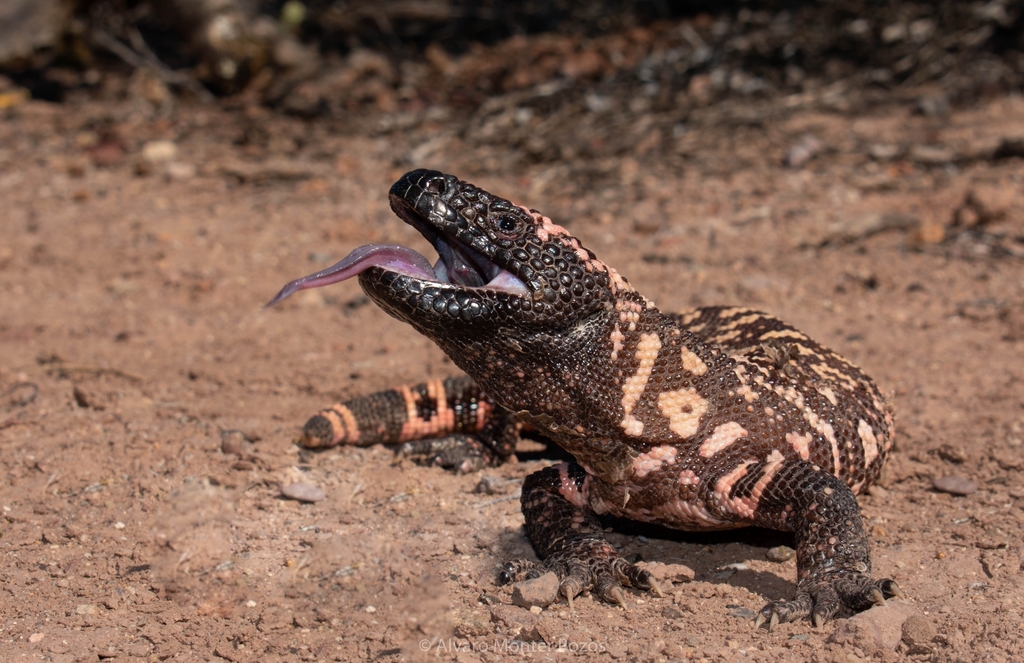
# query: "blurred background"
{"type": "Point", "coordinates": [543, 80]}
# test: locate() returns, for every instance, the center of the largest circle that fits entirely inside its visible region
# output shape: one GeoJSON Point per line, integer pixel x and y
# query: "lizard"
{"type": "Point", "coordinates": [715, 418]}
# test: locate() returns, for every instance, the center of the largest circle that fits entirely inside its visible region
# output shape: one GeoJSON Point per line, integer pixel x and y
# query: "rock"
{"type": "Point", "coordinates": [1009, 460]}
{"type": "Point", "coordinates": [983, 204]}
{"type": "Point", "coordinates": [932, 155]}
{"type": "Point", "coordinates": [952, 454]}
{"type": "Point", "coordinates": [303, 492]}
{"type": "Point", "coordinates": [516, 623]}
{"type": "Point", "coordinates": [918, 633]}
{"type": "Point", "coordinates": [894, 32]}
{"type": "Point", "coordinates": [884, 151]}
{"type": "Point", "coordinates": [669, 572]}
{"type": "Point", "coordinates": [876, 631]}
{"type": "Point", "coordinates": [26, 25]}
{"type": "Point", "coordinates": [108, 153]}
{"type": "Point", "coordinates": [672, 612]}
{"type": "Point", "coordinates": [159, 151]}
{"type": "Point", "coordinates": [780, 554]}
{"type": "Point", "coordinates": [146, 86]}
{"type": "Point", "coordinates": [180, 170]}
{"type": "Point", "coordinates": [803, 151]}
{"type": "Point", "coordinates": [491, 485]}
{"type": "Point", "coordinates": [540, 592]}
{"type": "Point", "coordinates": [86, 399]}
{"type": "Point", "coordinates": [933, 105]}
{"type": "Point", "coordinates": [954, 484]}
{"type": "Point", "coordinates": [741, 612]}
{"type": "Point", "coordinates": [878, 491]}
{"type": "Point", "coordinates": [234, 442]}
{"type": "Point", "coordinates": [853, 229]}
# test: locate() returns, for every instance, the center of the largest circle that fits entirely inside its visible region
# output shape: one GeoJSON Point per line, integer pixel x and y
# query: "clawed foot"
{"type": "Point", "coordinates": [458, 452]}
{"type": "Point", "coordinates": [603, 573]}
{"type": "Point", "coordinates": [825, 595]}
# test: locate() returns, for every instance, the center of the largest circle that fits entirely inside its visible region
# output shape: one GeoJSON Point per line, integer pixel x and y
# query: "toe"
{"type": "Point", "coordinates": [823, 598]}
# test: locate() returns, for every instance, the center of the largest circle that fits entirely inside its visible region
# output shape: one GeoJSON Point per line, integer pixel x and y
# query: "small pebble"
{"type": "Point", "coordinates": [780, 554]}
{"type": "Point", "coordinates": [303, 492]}
{"type": "Point", "coordinates": [671, 572]}
{"type": "Point", "coordinates": [742, 612]}
{"type": "Point", "coordinates": [735, 566]}
{"type": "Point", "coordinates": [878, 491]}
{"type": "Point", "coordinates": [36, 637]}
{"type": "Point", "coordinates": [803, 151]}
{"type": "Point", "coordinates": [234, 442]}
{"type": "Point", "coordinates": [491, 485]}
{"type": "Point", "coordinates": [540, 591]}
{"type": "Point", "coordinates": [672, 612]}
{"type": "Point", "coordinates": [159, 151]}
{"type": "Point", "coordinates": [918, 631]}
{"type": "Point", "coordinates": [952, 454]}
{"type": "Point", "coordinates": [954, 484]}
{"type": "Point", "coordinates": [179, 170]}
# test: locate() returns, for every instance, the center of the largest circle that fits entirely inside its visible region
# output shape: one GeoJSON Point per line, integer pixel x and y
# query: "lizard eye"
{"type": "Point", "coordinates": [507, 224]}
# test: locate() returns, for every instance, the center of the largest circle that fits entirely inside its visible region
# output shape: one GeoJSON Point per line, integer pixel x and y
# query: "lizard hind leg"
{"type": "Point", "coordinates": [459, 452]}
{"type": "Point", "coordinates": [569, 539]}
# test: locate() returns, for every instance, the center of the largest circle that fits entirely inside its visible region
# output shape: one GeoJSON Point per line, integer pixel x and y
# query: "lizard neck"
{"type": "Point", "coordinates": [600, 378]}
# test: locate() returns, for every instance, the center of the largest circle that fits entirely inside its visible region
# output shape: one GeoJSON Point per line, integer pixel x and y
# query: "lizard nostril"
{"type": "Point", "coordinates": [436, 186]}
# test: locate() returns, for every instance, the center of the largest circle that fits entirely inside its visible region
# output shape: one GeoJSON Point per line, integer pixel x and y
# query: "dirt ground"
{"type": "Point", "coordinates": [148, 407]}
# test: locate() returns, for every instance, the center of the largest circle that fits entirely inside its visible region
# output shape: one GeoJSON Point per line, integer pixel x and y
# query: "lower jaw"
{"type": "Point", "coordinates": [417, 305]}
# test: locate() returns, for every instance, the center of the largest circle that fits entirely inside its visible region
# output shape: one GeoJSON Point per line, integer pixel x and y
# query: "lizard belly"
{"type": "Point", "coordinates": [672, 497]}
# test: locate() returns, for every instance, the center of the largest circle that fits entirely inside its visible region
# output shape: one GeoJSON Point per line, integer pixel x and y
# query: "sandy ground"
{"type": "Point", "coordinates": [148, 408]}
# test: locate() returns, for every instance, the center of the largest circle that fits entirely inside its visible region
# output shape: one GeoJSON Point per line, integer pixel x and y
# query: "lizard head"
{"type": "Point", "coordinates": [500, 264]}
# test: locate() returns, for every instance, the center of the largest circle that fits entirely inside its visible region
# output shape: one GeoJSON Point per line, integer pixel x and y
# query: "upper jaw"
{"type": "Point", "coordinates": [458, 263]}
{"type": "Point", "coordinates": [426, 207]}
{"type": "Point", "coordinates": [421, 199]}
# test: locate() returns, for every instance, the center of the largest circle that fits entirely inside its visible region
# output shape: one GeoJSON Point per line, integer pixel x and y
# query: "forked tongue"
{"type": "Point", "coordinates": [392, 256]}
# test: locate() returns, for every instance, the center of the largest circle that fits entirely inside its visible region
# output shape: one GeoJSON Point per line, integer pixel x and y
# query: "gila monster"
{"type": "Point", "coordinates": [706, 420]}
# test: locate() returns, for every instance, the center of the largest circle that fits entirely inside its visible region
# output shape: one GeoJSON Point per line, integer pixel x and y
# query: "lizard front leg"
{"type": "Point", "coordinates": [450, 423]}
{"type": "Point", "coordinates": [569, 539]}
{"type": "Point", "coordinates": [832, 551]}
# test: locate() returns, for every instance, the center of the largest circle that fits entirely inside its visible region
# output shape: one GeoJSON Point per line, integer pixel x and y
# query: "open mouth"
{"type": "Point", "coordinates": [458, 264]}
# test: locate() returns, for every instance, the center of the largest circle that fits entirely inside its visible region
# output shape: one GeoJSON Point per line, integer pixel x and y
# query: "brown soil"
{"type": "Point", "coordinates": [148, 407]}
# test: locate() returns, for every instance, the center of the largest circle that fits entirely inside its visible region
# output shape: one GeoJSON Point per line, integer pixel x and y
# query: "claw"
{"type": "Point", "coordinates": [897, 593]}
{"type": "Point", "coordinates": [655, 587]}
{"type": "Point", "coordinates": [877, 596]}
{"type": "Point", "coordinates": [758, 621]}
{"type": "Point", "coordinates": [618, 596]}
{"type": "Point", "coordinates": [818, 620]}
{"type": "Point", "coordinates": [568, 592]}
{"type": "Point", "coordinates": [773, 622]}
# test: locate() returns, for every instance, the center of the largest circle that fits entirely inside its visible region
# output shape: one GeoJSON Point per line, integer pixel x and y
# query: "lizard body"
{"type": "Point", "coordinates": [710, 419]}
